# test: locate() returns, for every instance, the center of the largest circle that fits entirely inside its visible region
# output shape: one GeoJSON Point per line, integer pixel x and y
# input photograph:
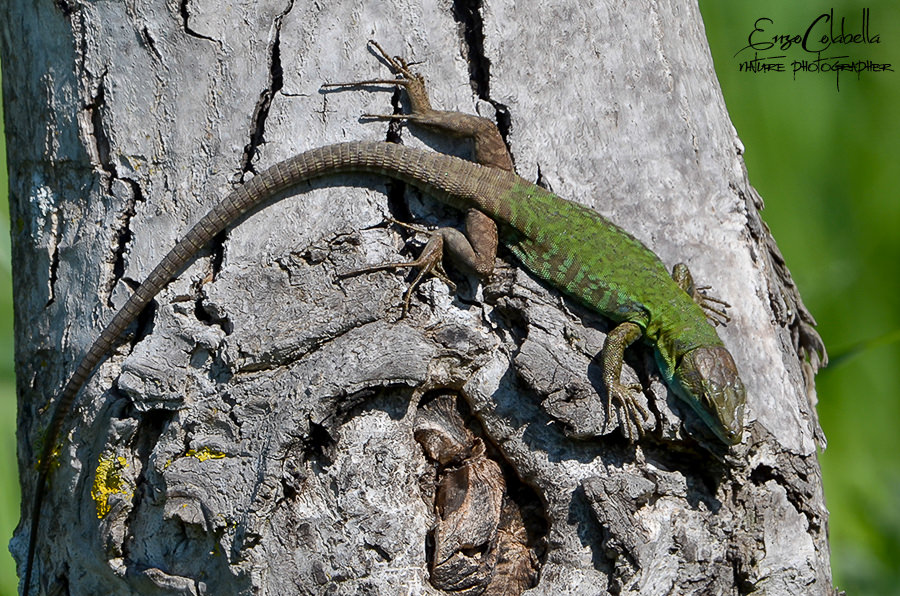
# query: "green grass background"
{"type": "Point", "coordinates": [827, 164]}
{"type": "Point", "coordinates": [9, 479]}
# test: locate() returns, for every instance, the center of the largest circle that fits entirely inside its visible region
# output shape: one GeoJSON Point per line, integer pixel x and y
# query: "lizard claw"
{"type": "Point", "coordinates": [412, 82]}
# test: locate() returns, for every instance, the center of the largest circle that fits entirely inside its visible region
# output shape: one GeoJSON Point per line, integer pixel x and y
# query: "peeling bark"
{"type": "Point", "coordinates": [260, 429]}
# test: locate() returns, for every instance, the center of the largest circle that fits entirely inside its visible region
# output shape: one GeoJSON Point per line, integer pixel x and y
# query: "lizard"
{"type": "Point", "coordinates": [567, 245]}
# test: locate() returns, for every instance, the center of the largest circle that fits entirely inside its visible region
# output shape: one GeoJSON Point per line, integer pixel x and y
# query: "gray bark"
{"type": "Point", "coordinates": [257, 431]}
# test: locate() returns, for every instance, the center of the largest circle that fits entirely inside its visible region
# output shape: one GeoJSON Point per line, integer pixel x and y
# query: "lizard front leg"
{"type": "Point", "coordinates": [611, 357]}
{"type": "Point", "coordinates": [712, 306]}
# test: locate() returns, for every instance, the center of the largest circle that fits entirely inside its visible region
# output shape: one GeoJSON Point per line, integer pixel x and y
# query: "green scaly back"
{"type": "Point", "coordinates": [579, 251]}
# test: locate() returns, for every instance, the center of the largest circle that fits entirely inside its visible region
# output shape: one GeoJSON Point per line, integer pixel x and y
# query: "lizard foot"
{"type": "Point", "coordinates": [713, 307]}
{"type": "Point", "coordinates": [428, 262]}
{"type": "Point", "coordinates": [632, 414]}
{"type": "Point", "coordinates": [413, 83]}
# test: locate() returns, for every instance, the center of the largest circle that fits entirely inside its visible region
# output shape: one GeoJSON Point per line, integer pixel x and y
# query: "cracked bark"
{"type": "Point", "coordinates": [264, 420]}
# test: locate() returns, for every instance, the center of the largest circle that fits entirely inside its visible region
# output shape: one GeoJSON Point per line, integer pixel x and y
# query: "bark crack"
{"type": "Point", "coordinates": [259, 362]}
{"type": "Point", "coordinates": [124, 236]}
{"type": "Point", "coordinates": [274, 84]}
{"type": "Point", "coordinates": [185, 21]}
{"type": "Point", "coordinates": [471, 27]}
{"type": "Point", "coordinates": [151, 426]}
{"type": "Point", "coordinates": [100, 151]}
{"type": "Point", "coordinates": [150, 43]}
{"type": "Point", "coordinates": [257, 130]}
{"type": "Point", "coordinates": [396, 189]}
{"type": "Point", "coordinates": [54, 257]}
{"type": "Point", "coordinates": [99, 148]}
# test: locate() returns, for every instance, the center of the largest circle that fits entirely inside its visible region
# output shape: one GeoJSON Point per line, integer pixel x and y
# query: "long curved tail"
{"type": "Point", "coordinates": [457, 182]}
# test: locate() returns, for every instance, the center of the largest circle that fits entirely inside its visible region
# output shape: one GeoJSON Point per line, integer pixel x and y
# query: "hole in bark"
{"type": "Point", "coordinates": [742, 577]}
{"type": "Point", "coordinates": [217, 250]}
{"type": "Point", "coordinates": [208, 318]}
{"type": "Point", "coordinates": [144, 322]}
{"type": "Point", "coordinates": [764, 473]}
{"type": "Point", "coordinates": [490, 533]}
{"type": "Point", "coordinates": [317, 444]}
{"type": "Point", "coordinates": [384, 554]}
{"type": "Point", "coordinates": [66, 7]}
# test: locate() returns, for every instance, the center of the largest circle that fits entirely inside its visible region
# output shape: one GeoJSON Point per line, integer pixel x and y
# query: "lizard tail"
{"type": "Point", "coordinates": [460, 183]}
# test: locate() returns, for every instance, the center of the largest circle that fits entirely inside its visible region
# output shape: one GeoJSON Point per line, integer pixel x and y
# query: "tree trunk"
{"type": "Point", "coordinates": [267, 427]}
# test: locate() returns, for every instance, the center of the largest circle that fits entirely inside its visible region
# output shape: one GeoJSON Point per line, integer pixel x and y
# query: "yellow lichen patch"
{"type": "Point", "coordinates": [205, 453]}
{"type": "Point", "coordinates": [108, 481]}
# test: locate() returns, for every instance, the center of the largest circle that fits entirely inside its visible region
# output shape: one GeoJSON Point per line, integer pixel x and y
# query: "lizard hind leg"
{"type": "Point", "coordinates": [477, 248]}
{"type": "Point", "coordinates": [713, 307]}
{"type": "Point", "coordinates": [428, 262]}
{"type": "Point", "coordinates": [489, 148]}
{"type": "Point", "coordinates": [474, 250]}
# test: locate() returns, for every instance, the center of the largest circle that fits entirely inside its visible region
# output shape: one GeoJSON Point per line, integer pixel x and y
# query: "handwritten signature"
{"type": "Point", "coordinates": [818, 37]}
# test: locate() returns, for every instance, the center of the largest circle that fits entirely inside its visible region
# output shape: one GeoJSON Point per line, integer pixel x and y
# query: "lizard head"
{"type": "Point", "coordinates": [707, 379]}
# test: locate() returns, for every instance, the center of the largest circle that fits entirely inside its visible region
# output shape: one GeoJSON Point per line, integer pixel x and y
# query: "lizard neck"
{"type": "Point", "coordinates": [680, 331]}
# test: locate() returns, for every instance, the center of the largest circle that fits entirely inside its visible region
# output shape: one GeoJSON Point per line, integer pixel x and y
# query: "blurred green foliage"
{"type": "Point", "coordinates": [826, 162]}
{"type": "Point", "coordinates": [9, 479]}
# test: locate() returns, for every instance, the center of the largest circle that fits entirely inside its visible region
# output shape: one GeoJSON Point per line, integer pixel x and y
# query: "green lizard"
{"type": "Point", "coordinates": [571, 247]}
